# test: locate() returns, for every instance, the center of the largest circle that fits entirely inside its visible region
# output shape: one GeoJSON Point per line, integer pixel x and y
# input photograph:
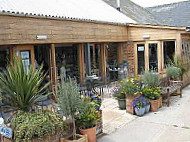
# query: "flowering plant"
{"type": "Point", "coordinates": [131, 86]}
{"type": "Point", "coordinates": [152, 93]}
{"type": "Point", "coordinates": [140, 102]}
{"type": "Point", "coordinates": [96, 99]}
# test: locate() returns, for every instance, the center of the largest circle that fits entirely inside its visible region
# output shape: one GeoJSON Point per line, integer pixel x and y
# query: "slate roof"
{"type": "Point", "coordinates": [78, 10]}
{"type": "Point", "coordinates": [175, 14]}
{"type": "Point", "coordinates": [135, 12]}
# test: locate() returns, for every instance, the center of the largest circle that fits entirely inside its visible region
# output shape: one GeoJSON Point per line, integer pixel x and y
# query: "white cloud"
{"type": "Point", "coordinates": [149, 3]}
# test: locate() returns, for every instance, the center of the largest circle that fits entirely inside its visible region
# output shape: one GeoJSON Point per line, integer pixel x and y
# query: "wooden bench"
{"type": "Point", "coordinates": [169, 87]}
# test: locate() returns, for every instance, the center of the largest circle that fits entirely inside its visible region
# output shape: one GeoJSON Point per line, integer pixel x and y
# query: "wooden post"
{"type": "Point", "coordinates": [146, 56]}
{"type": "Point", "coordinates": [54, 64]}
{"type": "Point", "coordinates": [135, 58]}
{"type": "Point", "coordinates": [178, 46]}
{"type": "Point", "coordinates": [93, 55]}
{"type": "Point", "coordinates": [103, 61]}
{"type": "Point", "coordinates": [81, 62]}
{"type": "Point", "coordinates": [120, 53]}
{"type": "Point", "coordinates": [159, 56]}
{"type": "Point", "coordinates": [12, 54]}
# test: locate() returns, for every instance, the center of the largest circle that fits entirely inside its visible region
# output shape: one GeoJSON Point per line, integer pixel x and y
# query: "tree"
{"type": "Point", "coordinates": [69, 100]}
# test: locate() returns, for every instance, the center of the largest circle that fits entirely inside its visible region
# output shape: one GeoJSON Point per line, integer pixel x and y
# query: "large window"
{"type": "Point", "coordinates": [140, 58]}
{"type": "Point", "coordinates": [186, 50]}
{"type": "Point", "coordinates": [169, 52]}
{"type": "Point", "coordinates": [153, 59]}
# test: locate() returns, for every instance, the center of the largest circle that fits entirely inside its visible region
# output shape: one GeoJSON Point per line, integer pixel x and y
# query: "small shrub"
{"type": "Point", "coordinates": [151, 79]}
{"type": "Point", "coordinates": [152, 93]}
{"type": "Point", "coordinates": [69, 100]}
{"type": "Point", "coordinates": [131, 86]}
{"type": "Point", "coordinates": [173, 72]}
{"type": "Point", "coordinates": [28, 126]}
{"type": "Point", "coordinates": [87, 117]}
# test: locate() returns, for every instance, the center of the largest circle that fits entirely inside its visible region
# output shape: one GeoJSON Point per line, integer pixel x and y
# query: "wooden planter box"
{"type": "Point", "coordinates": [83, 138]}
{"type": "Point", "coordinates": [99, 125]}
{"type": "Point", "coordinates": [53, 138]}
{"type": "Point", "coordinates": [129, 102]}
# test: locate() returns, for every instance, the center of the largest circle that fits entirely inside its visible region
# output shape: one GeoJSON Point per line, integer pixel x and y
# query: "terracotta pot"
{"type": "Point", "coordinates": [81, 138]}
{"type": "Point", "coordinates": [154, 105]}
{"type": "Point", "coordinates": [129, 102]}
{"type": "Point", "coordinates": [160, 102]}
{"type": "Point", "coordinates": [91, 133]}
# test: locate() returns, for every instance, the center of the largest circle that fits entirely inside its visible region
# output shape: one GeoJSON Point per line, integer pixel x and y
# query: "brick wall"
{"type": "Point", "coordinates": [128, 55]}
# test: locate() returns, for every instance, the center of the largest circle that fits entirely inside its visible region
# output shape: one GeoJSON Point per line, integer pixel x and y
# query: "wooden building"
{"type": "Point", "coordinates": [81, 43]}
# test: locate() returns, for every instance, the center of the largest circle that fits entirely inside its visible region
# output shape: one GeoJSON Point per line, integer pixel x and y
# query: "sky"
{"type": "Point", "coordinates": [149, 3]}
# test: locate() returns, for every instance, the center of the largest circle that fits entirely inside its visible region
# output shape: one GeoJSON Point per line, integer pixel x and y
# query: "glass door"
{"type": "Point", "coordinates": [153, 58]}
{"type": "Point", "coordinates": [25, 55]}
{"type": "Point", "coordinates": [141, 58]}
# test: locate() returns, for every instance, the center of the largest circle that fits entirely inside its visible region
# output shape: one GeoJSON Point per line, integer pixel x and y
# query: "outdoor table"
{"type": "Point", "coordinates": [115, 73]}
{"type": "Point", "coordinates": [92, 80]}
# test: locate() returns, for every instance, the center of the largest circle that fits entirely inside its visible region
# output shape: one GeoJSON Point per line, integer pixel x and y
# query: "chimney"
{"type": "Point", "coordinates": [118, 5]}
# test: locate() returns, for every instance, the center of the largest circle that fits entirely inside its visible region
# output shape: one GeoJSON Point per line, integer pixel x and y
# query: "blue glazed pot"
{"type": "Point", "coordinates": [147, 108]}
{"type": "Point", "coordinates": [140, 111]}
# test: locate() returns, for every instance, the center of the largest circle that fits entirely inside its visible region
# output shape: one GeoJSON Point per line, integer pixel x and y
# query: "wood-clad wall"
{"type": "Point", "coordinates": [137, 33]}
{"type": "Point", "coordinates": [23, 30]}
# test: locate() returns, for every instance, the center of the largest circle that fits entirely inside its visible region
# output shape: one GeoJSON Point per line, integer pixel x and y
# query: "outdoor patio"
{"type": "Point", "coordinates": [168, 124]}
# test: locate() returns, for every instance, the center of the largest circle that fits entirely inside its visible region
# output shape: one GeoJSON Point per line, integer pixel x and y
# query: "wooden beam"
{"type": "Point", "coordinates": [81, 63]}
{"type": "Point", "coordinates": [103, 62]}
{"type": "Point", "coordinates": [120, 53]}
{"type": "Point", "coordinates": [54, 64]}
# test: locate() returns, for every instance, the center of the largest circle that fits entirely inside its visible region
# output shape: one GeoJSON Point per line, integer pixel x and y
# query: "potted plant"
{"type": "Point", "coordinates": [131, 88]}
{"type": "Point", "coordinates": [87, 119]}
{"type": "Point", "coordinates": [121, 98]}
{"type": "Point", "coordinates": [37, 126]}
{"type": "Point", "coordinates": [152, 81]}
{"type": "Point", "coordinates": [140, 104]}
{"type": "Point", "coordinates": [173, 72]}
{"type": "Point", "coordinates": [179, 63]}
{"type": "Point", "coordinates": [70, 103]}
{"type": "Point", "coordinates": [96, 99]}
{"type": "Point", "coordinates": [22, 88]}
{"type": "Point", "coordinates": [153, 94]}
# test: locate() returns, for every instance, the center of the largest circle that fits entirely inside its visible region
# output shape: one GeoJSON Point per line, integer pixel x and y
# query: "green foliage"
{"type": "Point", "coordinates": [179, 63]}
{"type": "Point", "coordinates": [68, 99]}
{"type": "Point", "coordinates": [151, 79]}
{"type": "Point", "coordinates": [120, 95]}
{"type": "Point", "coordinates": [22, 88]}
{"type": "Point", "coordinates": [30, 125]}
{"type": "Point", "coordinates": [173, 72]}
{"type": "Point", "coordinates": [88, 116]}
{"type": "Point", "coordinates": [152, 93]}
{"type": "Point", "coordinates": [131, 86]}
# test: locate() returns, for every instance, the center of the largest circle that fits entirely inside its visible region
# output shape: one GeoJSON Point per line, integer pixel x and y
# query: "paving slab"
{"type": "Point", "coordinates": [169, 124]}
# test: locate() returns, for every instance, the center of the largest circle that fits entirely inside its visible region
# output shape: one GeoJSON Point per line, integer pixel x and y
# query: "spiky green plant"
{"type": "Point", "coordinates": [69, 100]}
{"type": "Point", "coordinates": [22, 89]}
